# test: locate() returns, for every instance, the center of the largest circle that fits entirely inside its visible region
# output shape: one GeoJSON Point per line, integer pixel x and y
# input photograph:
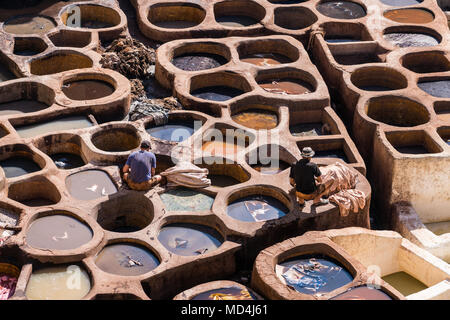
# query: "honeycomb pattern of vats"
{"type": "Point", "coordinates": [399, 124]}
{"type": "Point", "coordinates": [390, 254]}
{"type": "Point", "coordinates": [97, 150]}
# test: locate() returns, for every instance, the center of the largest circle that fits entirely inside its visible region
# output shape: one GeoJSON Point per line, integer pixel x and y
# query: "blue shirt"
{"type": "Point", "coordinates": [141, 164]}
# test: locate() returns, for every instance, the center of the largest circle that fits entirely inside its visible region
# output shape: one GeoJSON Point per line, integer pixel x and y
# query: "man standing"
{"type": "Point", "coordinates": [140, 168]}
{"type": "Point", "coordinates": [303, 176]}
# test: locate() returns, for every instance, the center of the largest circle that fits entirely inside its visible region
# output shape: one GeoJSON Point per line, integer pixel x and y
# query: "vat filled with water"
{"type": "Point", "coordinates": [189, 239]}
{"type": "Point", "coordinates": [265, 59]}
{"type": "Point", "coordinates": [256, 208]}
{"type": "Point", "coordinates": [198, 61]}
{"type": "Point", "coordinates": [404, 283]}
{"type": "Point", "coordinates": [58, 232]}
{"type": "Point", "coordinates": [341, 9]}
{"type": "Point", "coordinates": [309, 129]}
{"type": "Point", "coordinates": [90, 184]}
{"type": "Point", "coordinates": [256, 119]}
{"type": "Point", "coordinates": [439, 228]}
{"type": "Point", "coordinates": [236, 21]}
{"type": "Point", "coordinates": [362, 293]}
{"type": "Point", "coordinates": [286, 86]}
{"type": "Point", "coordinates": [17, 166]}
{"type": "Point", "coordinates": [227, 293]}
{"type": "Point", "coordinates": [313, 274]}
{"type": "Point", "coordinates": [58, 283]}
{"type": "Point", "coordinates": [410, 39]}
{"type": "Point", "coordinates": [61, 124]}
{"type": "Point", "coordinates": [87, 89]}
{"type": "Point", "coordinates": [418, 16]}
{"type": "Point", "coordinates": [184, 199]}
{"type": "Point", "coordinates": [21, 106]}
{"type": "Point", "coordinates": [126, 259]}
{"type": "Point", "coordinates": [440, 89]}
{"type": "Point", "coordinates": [217, 93]}
{"type": "Point", "coordinates": [176, 131]}
{"type": "Point", "coordinates": [67, 160]}
{"type": "Point", "coordinates": [29, 25]}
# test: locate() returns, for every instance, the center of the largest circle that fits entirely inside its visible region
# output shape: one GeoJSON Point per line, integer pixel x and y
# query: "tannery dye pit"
{"type": "Point", "coordinates": [158, 150]}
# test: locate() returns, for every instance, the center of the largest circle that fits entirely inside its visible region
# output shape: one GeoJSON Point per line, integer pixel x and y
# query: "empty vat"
{"type": "Point", "coordinates": [58, 283]}
{"type": "Point", "coordinates": [189, 239]}
{"type": "Point", "coordinates": [90, 184]}
{"type": "Point", "coordinates": [183, 199]}
{"type": "Point", "coordinates": [426, 62]}
{"type": "Point", "coordinates": [91, 17]}
{"type": "Point", "coordinates": [59, 61]}
{"type": "Point", "coordinates": [378, 79]}
{"type": "Point", "coordinates": [294, 18]}
{"type": "Point", "coordinates": [35, 192]}
{"type": "Point", "coordinates": [126, 259]}
{"type": "Point", "coordinates": [116, 139]}
{"type": "Point", "coordinates": [58, 232]}
{"type": "Point", "coordinates": [256, 208]}
{"type": "Point", "coordinates": [313, 274]}
{"type": "Point", "coordinates": [61, 124]}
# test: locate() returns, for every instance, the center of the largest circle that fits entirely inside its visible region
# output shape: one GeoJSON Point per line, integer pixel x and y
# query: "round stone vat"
{"type": "Point", "coordinates": [426, 62]}
{"type": "Point", "coordinates": [58, 230]}
{"type": "Point", "coordinates": [29, 46]}
{"type": "Point", "coordinates": [181, 15]}
{"type": "Point", "coordinates": [313, 123]}
{"type": "Point", "coordinates": [188, 239]}
{"type": "Point", "coordinates": [29, 24]}
{"type": "Point", "coordinates": [129, 213]}
{"type": "Point", "coordinates": [294, 18]}
{"type": "Point", "coordinates": [378, 79]}
{"type": "Point", "coordinates": [413, 15]}
{"type": "Point", "coordinates": [313, 274]}
{"type": "Point", "coordinates": [35, 192]}
{"type": "Point", "coordinates": [91, 16]}
{"type": "Point", "coordinates": [116, 139]}
{"type": "Point", "coordinates": [70, 38]}
{"type": "Point", "coordinates": [413, 142]}
{"type": "Point", "coordinates": [221, 86]}
{"type": "Point", "coordinates": [404, 38]}
{"type": "Point", "coordinates": [64, 149]}
{"type": "Point", "coordinates": [16, 166]}
{"type": "Point", "coordinates": [218, 290]}
{"type": "Point", "coordinates": [178, 128]}
{"type": "Point", "coordinates": [268, 52]}
{"type": "Point", "coordinates": [223, 173]}
{"type": "Point", "coordinates": [200, 56]}
{"type": "Point", "coordinates": [238, 13]}
{"type": "Point", "coordinates": [444, 133]}
{"type": "Point", "coordinates": [126, 259]}
{"type": "Point", "coordinates": [59, 61]}
{"type": "Point", "coordinates": [50, 283]}
{"type": "Point", "coordinates": [88, 88]}
{"type": "Point", "coordinates": [345, 32]}
{"type": "Point", "coordinates": [397, 111]}
{"type": "Point", "coordinates": [184, 199]}
{"type": "Point", "coordinates": [335, 148]}
{"type": "Point", "coordinates": [52, 125]}
{"type": "Point", "coordinates": [437, 88]}
{"type": "Point", "coordinates": [255, 116]}
{"type": "Point", "coordinates": [270, 159]}
{"type": "Point", "coordinates": [253, 205]}
{"type": "Point", "coordinates": [363, 293]}
{"type": "Point", "coordinates": [25, 97]}
{"type": "Point", "coordinates": [90, 184]}
{"type": "Point", "coordinates": [225, 141]}
{"type": "Point", "coordinates": [9, 275]}
{"type": "Point", "coordinates": [401, 3]}
{"type": "Point", "coordinates": [341, 9]}
{"type": "Point", "coordinates": [286, 81]}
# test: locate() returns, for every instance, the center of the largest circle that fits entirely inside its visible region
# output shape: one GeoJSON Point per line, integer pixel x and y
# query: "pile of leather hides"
{"type": "Point", "coordinates": [188, 175]}
{"type": "Point", "coordinates": [340, 182]}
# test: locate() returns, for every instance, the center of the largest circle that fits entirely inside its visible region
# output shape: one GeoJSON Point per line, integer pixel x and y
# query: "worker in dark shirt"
{"type": "Point", "coordinates": [140, 169]}
{"type": "Point", "coordinates": [304, 174]}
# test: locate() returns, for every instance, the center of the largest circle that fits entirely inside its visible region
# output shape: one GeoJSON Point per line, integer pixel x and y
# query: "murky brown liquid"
{"type": "Point", "coordinates": [87, 89]}
{"type": "Point", "coordinates": [126, 260]}
{"type": "Point", "coordinates": [362, 293]}
{"type": "Point", "coordinates": [404, 283]}
{"type": "Point", "coordinates": [59, 232]}
{"type": "Point", "coordinates": [257, 119]}
{"type": "Point", "coordinates": [29, 25]}
{"type": "Point", "coordinates": [410, 16]}
{"type": "Point", "coordinates": [67, 123]}
{"type": "Point", "coordinates": [266, 59]}
{"type": "Point", "coordinates": [90, 184]}
{"type": "Point", "coordinates": [286, 86]}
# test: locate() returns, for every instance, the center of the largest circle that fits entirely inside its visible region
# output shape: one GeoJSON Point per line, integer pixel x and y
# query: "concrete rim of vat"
{"type": "Point", "coordinates": [269, 45]}
{"type": "Point", "coordinates": [436, 59]}
{"type": "Point", "coordinates": [284, 156]}
{"type": "Point", "coordinates": [254, 103]}
{"type": "Point", "coordinates": [220, 165]}
{"type": "Point", "coordinates": [36, 44]}
{"type": "Point", "coordinates": [185, 11]}
{"type": "Point", "coordinates": [102, 141]}
{"type": "Point", "coordinates": [251, 9]}
{"type": "Point", "coordinates": [72, 255]}
{"type": "Point", "coordinates": [34, 187]}
{"type": "Point", "coordinates": [103, 11]}
{"type": "Point", "coordinates": [209, 47]}
{"type": "Point", "coordinates": [411, 138]}
{"type": "Point", "coordinates": [61, 60]}
{"type": "Point", "coordinates": [23, 150]}
{"type": "Point", "coordinates": [93, 76]}
{"type": "Point", "coordinates": [286, 19]}
{"type": "Point", "coordinates": [387, 77]}
{"type": "Point", "coordinates": [191, 293]}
